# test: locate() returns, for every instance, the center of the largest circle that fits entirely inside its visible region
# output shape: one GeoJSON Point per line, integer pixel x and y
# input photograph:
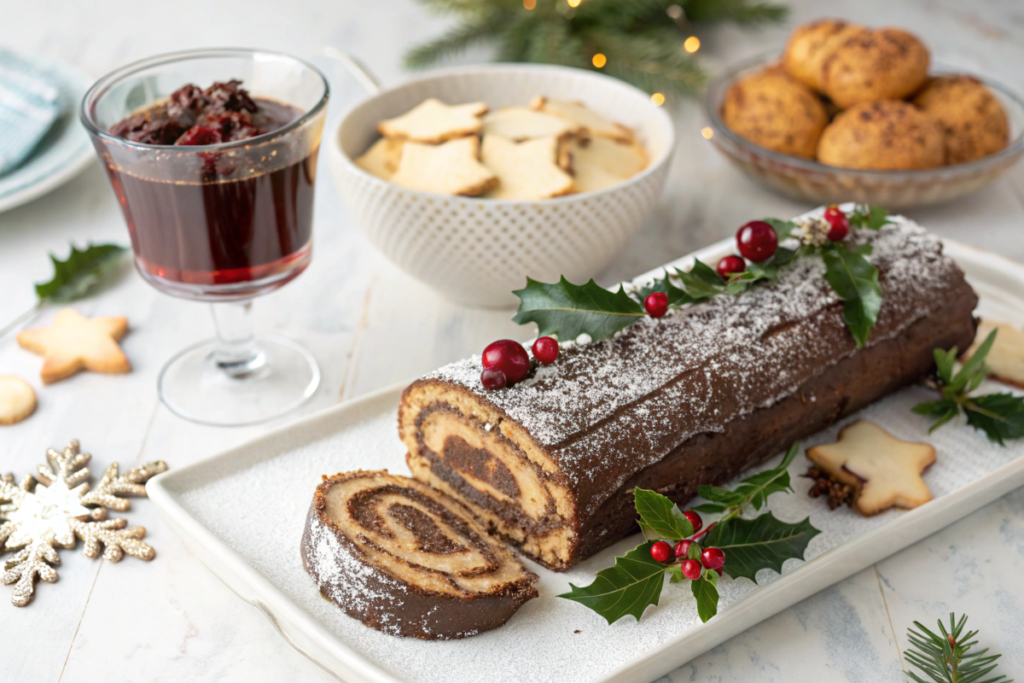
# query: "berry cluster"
{"type": "Point", "coordinates": [757, 241]}
{"type": "Point", "coordinates": [506, 362]}
{"type": "Point", "coordinates": [711, 559]}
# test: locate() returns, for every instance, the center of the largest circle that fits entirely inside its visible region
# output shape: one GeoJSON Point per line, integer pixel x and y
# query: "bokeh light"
{"type": "Point", "coordinates": [691, 44]}
{"type": "Point", "coordinates": [658, 99]}
{"type": "Point", "coordinates": [707, 132]}
{"type": "Point", "coordinates": [599, 60]}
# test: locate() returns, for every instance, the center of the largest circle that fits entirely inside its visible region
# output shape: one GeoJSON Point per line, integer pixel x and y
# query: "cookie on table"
{"type": "Point", "coordinates": [597, 163]}
{"type": "Point", "coordinates": [433, 121]}
{"type": "Point", "coordinates": [526, 170]}
{"type": "Point", "coordinates": [74, 342]}
{"type": "Point", "coordinates": [382, 158]}
{"type": "Point", "coordinates": [452, 167]}
{"type": "Point", "coordinates": [774, 110]}
{"type": "Point", "coordinates": [17, 399]}
{"type": "Point", "coordinates": [972, 119]}
{"type": "Point", "coordinates": [524, 123]}
{"type": "Point", "coordinates": [810, 45]}
{"type": "Point", "coordinates": [879, 64]}
{"type": "Point", "coordinates": [589, 120]}
{"type": "Point", "coordinates": [883, 471]}
{"type": "Point", "coordinates": [888, 135]}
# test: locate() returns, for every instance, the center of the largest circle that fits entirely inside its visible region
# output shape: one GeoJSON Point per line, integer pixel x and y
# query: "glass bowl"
{"type": "Point", "coordinates": [808, 180]}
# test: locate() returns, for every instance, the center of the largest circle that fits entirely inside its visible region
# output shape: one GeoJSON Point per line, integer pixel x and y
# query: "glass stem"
{"type": "Point", "coordinates": [236, 353]}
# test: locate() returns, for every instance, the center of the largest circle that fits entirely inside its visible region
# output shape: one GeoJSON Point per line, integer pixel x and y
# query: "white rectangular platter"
{"type": "Point", "coordinates": [242, 513]}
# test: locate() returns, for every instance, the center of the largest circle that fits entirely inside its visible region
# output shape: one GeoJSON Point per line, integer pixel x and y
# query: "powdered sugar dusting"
{"type": "Point", "coordinates": [707, 364]}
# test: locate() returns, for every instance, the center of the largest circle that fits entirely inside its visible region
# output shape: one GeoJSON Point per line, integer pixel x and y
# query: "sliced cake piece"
{"type": "Point", "coordinates": [408, 560]}
{"type": "Point", "coordinates": [668, 404]}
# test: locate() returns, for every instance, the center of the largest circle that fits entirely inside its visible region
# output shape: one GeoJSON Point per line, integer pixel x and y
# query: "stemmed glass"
{"type": "Point", "coordinates": [220, 223]}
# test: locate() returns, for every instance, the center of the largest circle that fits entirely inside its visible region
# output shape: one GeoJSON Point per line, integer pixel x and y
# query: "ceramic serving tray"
{"type": "Point", "coordinates": [271, 481]}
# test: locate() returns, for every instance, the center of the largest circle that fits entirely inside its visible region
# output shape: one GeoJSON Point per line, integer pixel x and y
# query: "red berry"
{"type": "Point", "coordinates": [695, 521]}
{"type": "Point", "coordinates": [682, 548]}
{"type": "Point", "coordinates": [545, 350]}
{"type": "Point", "coordinates": [757, 241]}
{"type": "Point", "coordinates": [493, 378]}
{"type": "Point", "coordinates": [839, 222]}
{"type": "Point", "coordinates": [661, 551]}
{"type": "Point", "coordinates": [199, 135]}
{"type": "Point", "coordinates": [713, 558]}
{"type": "Point", "coordinates": [509, 357]}
{"type": "Point", "coordinates": [691, 569]}
{"type": "Point", "coordinates": [729, 265]}
{"type": "Point", "coordinates": [656, 304]}
{"type": "Point", "coordinates": [719, 570]}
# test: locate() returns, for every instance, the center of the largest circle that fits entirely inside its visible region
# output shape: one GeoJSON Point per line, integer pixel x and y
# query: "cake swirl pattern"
{"type": "Point", "coordinates": [408, 560]}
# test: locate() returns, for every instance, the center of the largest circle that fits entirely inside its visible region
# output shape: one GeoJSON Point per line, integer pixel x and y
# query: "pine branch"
{"type": "Point", "coordinates": [642, 42]}
{"type": "Point", "coordinates": [945, 658]}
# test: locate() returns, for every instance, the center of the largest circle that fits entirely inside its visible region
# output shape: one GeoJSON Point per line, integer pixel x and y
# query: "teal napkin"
{"type": "Point", "coordinates": [29, 106]}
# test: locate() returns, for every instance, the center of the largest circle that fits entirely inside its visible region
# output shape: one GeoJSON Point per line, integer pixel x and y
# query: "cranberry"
{"type": "Point", "coordinates": [682, 548]}
{"type": "Point", "coordinates": [713, 558]}
{"type": "Point", "coordinates": [839, 222]}
{"type": "Point", "coordinates": [757, 241]}
{"type": "Point", "coordinates": [509, 357]}
{"type": "Point", "coordinates": [199, 135]}
{"type": "Point", "coordinates": [691, 569]}
{"type": "Point", "coordinates": [493, 378]}
{"type": "Point", "coordinates": [545, 350]}
{"type": "Point", "coordinates": [730, 265]}
{"type": "Point", "coordinates": [656, 304]}
{"type": "Point", "coordinates": [661, 551]}
{"type": "Point", "coordinates": [694, 519]}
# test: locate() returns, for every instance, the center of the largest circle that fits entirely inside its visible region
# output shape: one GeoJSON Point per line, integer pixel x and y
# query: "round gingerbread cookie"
{"type": "Point", "coordinates": [886, 135]}
{"type": "Point", "coordinates": [810, 44]}
{"type": "Point", "coordinates": [17, 399]}
{"type": "Point", "coordinates": [973, 122]}
{"type": "Point", "coordinates": [775, 111]}
{"type": "Point", "coordinates": [881, 64]}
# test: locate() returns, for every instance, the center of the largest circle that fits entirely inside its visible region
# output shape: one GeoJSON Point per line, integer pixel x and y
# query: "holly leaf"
{"type": "Point", "coordinates": [76, 275]}
{"type": "Point", "coordinates": [855, 281]}
{"type": "Point", "coordinates": [569, 310]}
{"type": "Point", "coordinates": [629, 587]}
{"type": "Point", "coordinates": [757, 488]}
{"type": "Point", "coordinates": [661, 516]}
{"type": "Point", "coordinates": [676, 296]}
{"type": "Point", "coordinates": [945, 410]}
{"type": "Point", "coordinates": [870, 217]}
{"type": "Point", "coordinates": [760, 543]}
{"type": "Point", "coordinates": [1000, 416]}
{"type": "Point", "coordinates": [769, 269]}
{"type": "Point", "coordinates": [705, 589]}
{"type": "Point", "coordinates": [702, 282]}
{"type": "Point", "coordinates": [754, 490]}
{"type": "Point", "coordinates": [782, 228]}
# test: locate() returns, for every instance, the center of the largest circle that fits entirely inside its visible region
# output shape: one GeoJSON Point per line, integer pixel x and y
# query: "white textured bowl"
{"type": "Point", "coordinates": [476, 251]}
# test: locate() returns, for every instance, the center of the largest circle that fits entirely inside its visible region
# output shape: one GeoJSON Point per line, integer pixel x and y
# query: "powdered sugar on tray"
{"type": "Point", "coordinates": [549, 639]}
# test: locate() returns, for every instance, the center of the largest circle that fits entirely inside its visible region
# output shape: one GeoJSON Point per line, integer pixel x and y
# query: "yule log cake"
{"type": "Point", "coordinates": [669, 404]}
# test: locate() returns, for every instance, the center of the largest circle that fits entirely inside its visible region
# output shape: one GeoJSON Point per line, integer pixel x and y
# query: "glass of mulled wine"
{"type": "Point", "coordinates": [212, 155]}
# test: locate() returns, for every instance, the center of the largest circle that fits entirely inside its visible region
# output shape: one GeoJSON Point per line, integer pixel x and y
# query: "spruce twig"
{"type": "Point", "coordinates": [945, 657]}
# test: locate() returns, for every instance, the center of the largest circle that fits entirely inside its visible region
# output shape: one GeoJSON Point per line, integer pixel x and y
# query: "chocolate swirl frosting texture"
{"type": "Point", "coordinates": [408, 560]}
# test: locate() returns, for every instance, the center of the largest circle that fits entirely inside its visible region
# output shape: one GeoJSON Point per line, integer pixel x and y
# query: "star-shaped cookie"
{"type": "Point", "coordinates": [74, 342]}
{"type": "Point", "coordinates": [433, 121]}
{"type": "Point", "coordinates": [448, 168]}
{"type": "Point", "coordinates": [1005, 360]}
{"type": "Point", "coordinates": [884, 471]}
{"type": "Point", "coordinates": [526, 170]}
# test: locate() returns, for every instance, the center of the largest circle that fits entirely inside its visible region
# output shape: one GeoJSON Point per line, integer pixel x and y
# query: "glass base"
{"type": "Point", "coordinates": [279, 378]}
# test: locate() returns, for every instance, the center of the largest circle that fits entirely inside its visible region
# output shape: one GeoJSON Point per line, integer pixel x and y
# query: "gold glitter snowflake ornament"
{"type": "Point", "coordinates": [59, 510]}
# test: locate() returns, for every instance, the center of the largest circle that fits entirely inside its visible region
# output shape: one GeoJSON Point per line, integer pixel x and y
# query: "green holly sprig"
{"type": "Point", "coordinates": [636, 580]}
{"type": "Point", "coordinates": [566, 310]}
{"type": "Point", "coordinates": [1000, 416]}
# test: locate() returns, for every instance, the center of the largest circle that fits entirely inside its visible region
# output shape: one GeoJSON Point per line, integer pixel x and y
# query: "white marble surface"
{"type": "Point", "coordinates": [370, 326]}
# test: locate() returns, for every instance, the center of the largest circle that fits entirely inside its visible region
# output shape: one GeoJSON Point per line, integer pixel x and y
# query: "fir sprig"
{"type": "Point", "coordinates": [946, 658]}
{"type": "Point", "coordinates": [641, 39]}
{"type": "Point", "coordinates": [1000, 416]}
{"type": "Point", "coordinates": [636, 580]}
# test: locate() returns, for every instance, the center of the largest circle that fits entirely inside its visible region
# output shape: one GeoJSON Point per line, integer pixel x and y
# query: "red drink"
{"type": "Point", "coordinates": [209, 215]}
